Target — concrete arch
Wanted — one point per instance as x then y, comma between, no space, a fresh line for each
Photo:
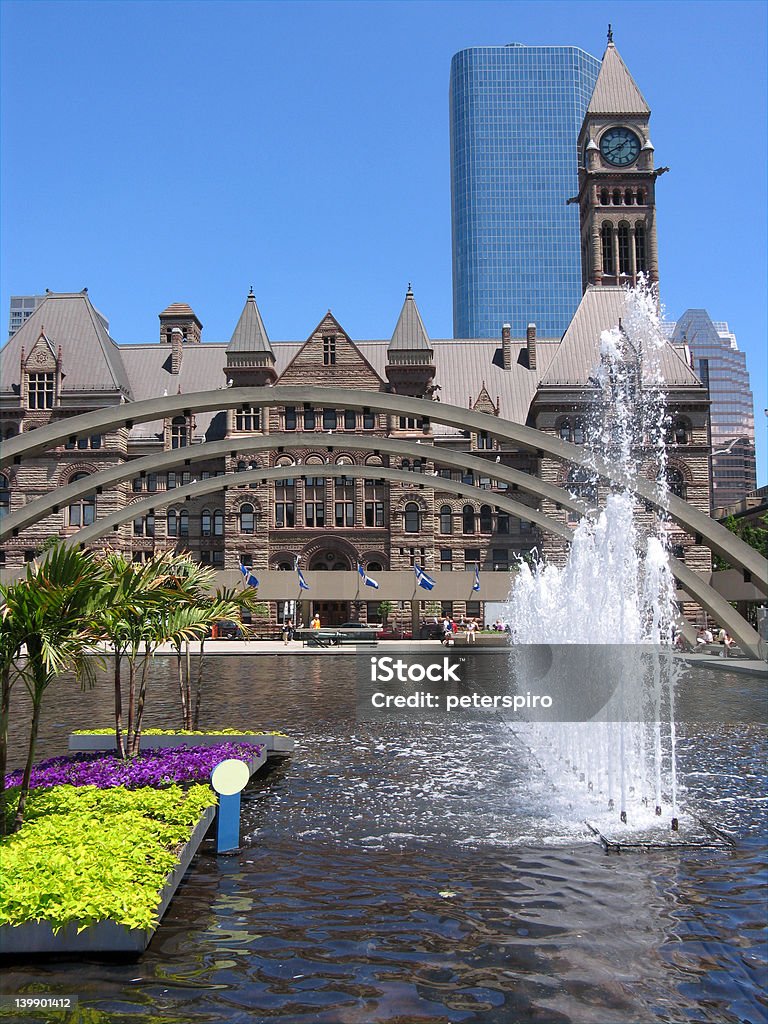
692,582
186,457
720,540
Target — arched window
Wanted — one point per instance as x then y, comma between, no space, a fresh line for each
183,523
676,482
412,518
604,197
641,197
578,431
640,255
374,567
624,264
5,495
178,432
446,519
82,512
218,523
617,197
467,519
172,523
606,241
241,467
678,432
581,484
344,501
247,519
206,523
486,519
406,465
565,430
629,197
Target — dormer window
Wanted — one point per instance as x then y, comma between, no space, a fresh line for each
329,350
179,435
41,389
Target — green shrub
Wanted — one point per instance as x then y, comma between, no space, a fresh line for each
88,855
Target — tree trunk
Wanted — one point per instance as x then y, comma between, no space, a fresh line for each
37,703
5,706
119,742
182,690
188,688
131,696
199,694
135,745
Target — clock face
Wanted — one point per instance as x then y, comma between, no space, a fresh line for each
619,146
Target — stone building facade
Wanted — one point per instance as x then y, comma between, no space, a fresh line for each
62,362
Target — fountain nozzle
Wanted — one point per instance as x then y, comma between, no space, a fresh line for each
623,817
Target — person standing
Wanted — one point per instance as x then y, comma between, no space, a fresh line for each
287,631
315,624
471,630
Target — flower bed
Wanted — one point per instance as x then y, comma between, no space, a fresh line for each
104,739
104,845
157,768
94,869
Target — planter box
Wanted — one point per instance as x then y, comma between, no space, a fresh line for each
105,936
106,741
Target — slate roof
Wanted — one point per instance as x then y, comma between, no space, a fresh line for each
615,90
250,335
410,333
600,309
92,361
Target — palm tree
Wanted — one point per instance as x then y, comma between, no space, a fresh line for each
53,615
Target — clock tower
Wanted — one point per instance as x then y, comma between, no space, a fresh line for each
617,180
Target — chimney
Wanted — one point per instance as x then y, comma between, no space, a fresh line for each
506,346
530,341
177,347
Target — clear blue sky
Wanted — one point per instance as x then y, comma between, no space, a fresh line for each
164,152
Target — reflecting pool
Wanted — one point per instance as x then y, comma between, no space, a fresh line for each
406,873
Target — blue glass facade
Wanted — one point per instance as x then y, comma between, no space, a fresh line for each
515,115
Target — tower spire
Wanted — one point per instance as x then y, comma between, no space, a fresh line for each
610,33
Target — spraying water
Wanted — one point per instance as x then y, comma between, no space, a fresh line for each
615,593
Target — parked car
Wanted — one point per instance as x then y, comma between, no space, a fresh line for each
226,629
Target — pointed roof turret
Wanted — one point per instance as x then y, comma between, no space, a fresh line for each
250,335
410,333
615,91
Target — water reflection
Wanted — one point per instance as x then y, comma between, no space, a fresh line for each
428,873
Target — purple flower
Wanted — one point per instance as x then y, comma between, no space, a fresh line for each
157,768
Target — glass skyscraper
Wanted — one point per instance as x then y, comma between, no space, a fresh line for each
515,115
721,365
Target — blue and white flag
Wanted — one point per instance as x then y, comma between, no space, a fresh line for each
303,585
366,578
248,578
425,582
476,584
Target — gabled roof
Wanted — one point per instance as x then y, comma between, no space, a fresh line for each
578,355
91,360
250,335
410,333
615,90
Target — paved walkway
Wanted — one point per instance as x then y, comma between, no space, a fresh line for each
296,647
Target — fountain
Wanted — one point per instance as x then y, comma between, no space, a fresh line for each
615,596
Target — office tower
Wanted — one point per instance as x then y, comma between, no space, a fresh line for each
22,308
719,363
515,115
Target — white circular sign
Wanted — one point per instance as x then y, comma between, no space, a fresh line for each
230,776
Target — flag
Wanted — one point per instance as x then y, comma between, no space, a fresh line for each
303,585
424,581
248,578
476,584
366,578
